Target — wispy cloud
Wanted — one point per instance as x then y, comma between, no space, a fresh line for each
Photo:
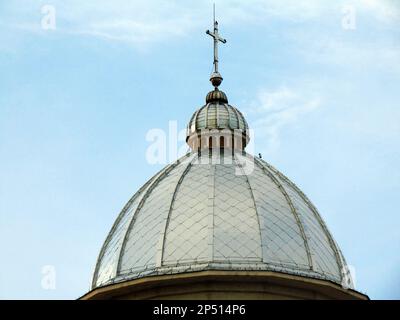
134,32
352,53
144,22
373,44
387,11
273,110
138,23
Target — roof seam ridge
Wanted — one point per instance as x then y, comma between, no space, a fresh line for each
117,221
320,221
255,206
237,117
213,209
195,117
229,115
293,209
206,115
139,207
217,112
163,236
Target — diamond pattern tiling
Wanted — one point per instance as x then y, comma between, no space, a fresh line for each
141,243
236,229
107,264
323,256
220,218
187,232
281,236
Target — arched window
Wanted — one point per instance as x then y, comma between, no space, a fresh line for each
222,142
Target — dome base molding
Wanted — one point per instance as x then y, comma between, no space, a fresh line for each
225,285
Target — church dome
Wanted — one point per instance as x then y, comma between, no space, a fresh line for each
220,221
217,119
217,115
233,212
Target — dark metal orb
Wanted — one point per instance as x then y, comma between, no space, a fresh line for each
216,79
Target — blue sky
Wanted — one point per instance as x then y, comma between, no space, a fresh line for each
77,101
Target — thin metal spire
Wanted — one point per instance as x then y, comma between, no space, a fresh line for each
215,35
214,12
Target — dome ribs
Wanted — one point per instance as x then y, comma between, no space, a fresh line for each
211,213
139,207
115,225
255,205
293,209
160,249
237,117
317,216
271,202
206,115
229,115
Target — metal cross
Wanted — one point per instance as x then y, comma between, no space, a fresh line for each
217,38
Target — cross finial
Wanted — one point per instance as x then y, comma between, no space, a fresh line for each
216,78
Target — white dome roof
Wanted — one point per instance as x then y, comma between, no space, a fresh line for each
195,215
216,115
217,119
